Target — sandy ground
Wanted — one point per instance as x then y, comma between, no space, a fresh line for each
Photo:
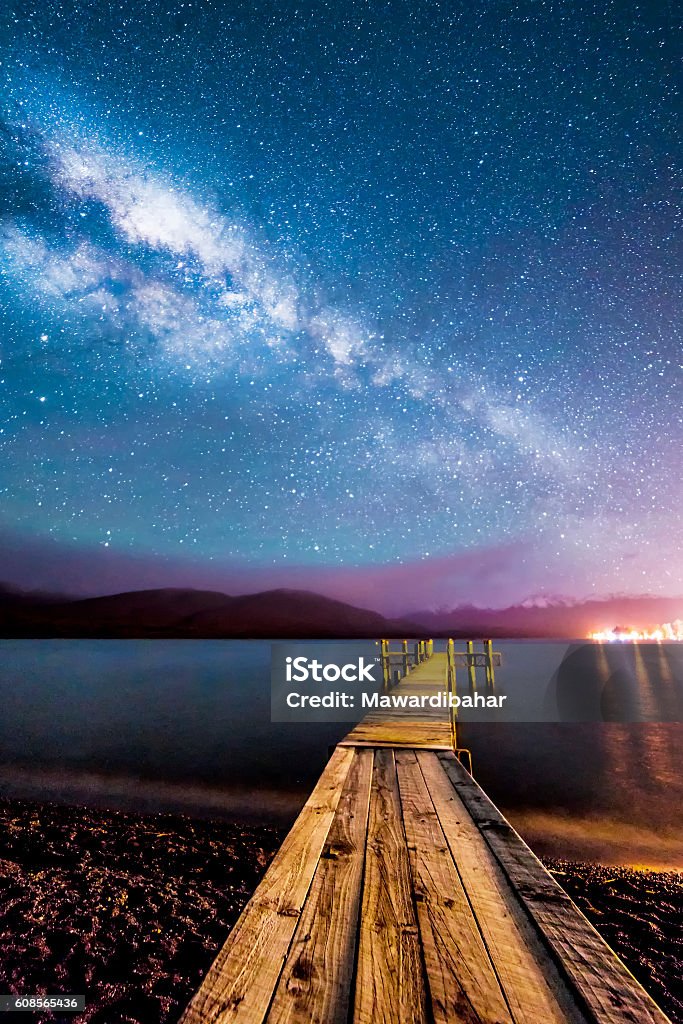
131,909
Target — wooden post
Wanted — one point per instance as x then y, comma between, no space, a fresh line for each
450,689
386,668
405,657
471,671
430,648
490,677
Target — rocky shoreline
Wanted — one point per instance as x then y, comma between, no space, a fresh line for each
640,914
131,909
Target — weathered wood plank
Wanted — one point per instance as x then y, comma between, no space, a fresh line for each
389,977
399,733
463,986
316,983
601,981
240,984
427,713
531,982
409,727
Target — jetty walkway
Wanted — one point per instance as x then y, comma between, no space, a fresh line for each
402,895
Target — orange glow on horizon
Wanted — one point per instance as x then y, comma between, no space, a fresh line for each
668,631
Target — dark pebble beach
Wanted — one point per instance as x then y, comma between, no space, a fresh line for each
128,909
132,909
640,914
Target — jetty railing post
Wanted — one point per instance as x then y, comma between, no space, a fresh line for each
450,677
471,671
386,665
488,648
430,648
405,657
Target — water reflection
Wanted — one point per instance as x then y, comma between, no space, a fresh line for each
608,791
185,725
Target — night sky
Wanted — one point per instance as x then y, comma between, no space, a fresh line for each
380,299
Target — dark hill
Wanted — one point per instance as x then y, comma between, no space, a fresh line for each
196,613
299,614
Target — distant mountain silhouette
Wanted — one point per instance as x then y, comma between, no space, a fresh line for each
295,614
553,618
192,613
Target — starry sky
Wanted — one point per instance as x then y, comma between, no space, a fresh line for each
382,299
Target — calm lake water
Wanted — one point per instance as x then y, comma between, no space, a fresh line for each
185,725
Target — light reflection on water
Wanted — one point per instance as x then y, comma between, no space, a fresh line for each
608,791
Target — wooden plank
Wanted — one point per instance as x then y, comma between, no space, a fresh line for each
533,988
463,986
398,744
433,735
316,982
240,984
429,673
425,715
429,718
389,981
601,981
409,727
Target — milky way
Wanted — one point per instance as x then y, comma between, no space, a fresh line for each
341,290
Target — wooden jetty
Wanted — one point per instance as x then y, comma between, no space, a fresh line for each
403,896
